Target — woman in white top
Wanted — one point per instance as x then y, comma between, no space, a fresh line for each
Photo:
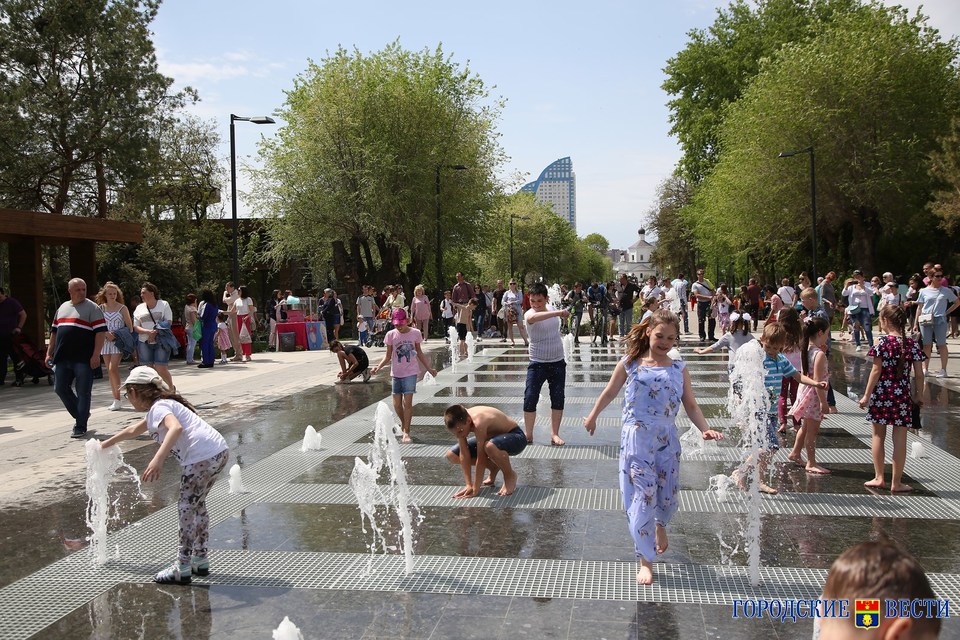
245,311
859,297
189,318
116,315
935,303
146,316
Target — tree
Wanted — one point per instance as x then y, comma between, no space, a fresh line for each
78,84
872,95
597,242
351,181
945,168
675,251
718,63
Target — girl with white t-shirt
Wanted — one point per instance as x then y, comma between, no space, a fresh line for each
245,311
201,451
405,357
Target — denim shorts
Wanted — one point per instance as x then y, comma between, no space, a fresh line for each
935,332
151,354
404,386
513,442
554,374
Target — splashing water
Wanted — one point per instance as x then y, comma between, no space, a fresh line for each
236,480
554,297
748,403
429,380
586,354
385,454
102,464
287,631
454,340
917,450
311,439
471,343
567,347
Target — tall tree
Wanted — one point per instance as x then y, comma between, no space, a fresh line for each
352,179
676,250
719,62
872,95
79,86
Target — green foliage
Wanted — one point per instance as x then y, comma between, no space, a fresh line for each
945,167
543,245
871,94
719,63
78,88
675,251
351,180
597,242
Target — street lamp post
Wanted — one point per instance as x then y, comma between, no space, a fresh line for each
513,217
813,202
455,167
233,182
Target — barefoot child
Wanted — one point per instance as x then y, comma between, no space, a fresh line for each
223,337
738,336
405,357
496,438
790,319
546,362
353,362
811,404
776,369
199,448
656,385
888,394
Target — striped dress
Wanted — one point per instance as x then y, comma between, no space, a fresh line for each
114,321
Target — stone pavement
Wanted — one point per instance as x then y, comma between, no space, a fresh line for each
552,560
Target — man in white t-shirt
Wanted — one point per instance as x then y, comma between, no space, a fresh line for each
787,293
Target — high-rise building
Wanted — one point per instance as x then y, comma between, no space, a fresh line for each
557,186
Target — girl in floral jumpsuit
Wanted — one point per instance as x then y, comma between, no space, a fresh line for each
656,386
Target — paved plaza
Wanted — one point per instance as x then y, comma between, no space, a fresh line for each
553,560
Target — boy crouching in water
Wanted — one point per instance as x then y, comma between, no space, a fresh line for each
495,438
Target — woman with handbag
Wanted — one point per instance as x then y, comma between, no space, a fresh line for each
932,312
245,319
152,316
860,308
117,317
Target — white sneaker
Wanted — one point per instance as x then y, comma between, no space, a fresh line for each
114,406
859,348
942,373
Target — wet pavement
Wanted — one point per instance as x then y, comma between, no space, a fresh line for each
552,561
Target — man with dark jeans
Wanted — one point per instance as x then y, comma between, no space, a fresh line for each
628,293
12,318
753,304
76,338
704,292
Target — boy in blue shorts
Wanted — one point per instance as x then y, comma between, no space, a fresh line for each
776,368
495,438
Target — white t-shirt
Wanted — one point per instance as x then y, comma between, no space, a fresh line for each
546,345
243,306
681,288
198,441
673,300
447,308
142,316
788,295
651,292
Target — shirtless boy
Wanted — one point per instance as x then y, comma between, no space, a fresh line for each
495,438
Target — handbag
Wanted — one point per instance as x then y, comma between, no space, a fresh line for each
853,308
197,332
925,318
245,335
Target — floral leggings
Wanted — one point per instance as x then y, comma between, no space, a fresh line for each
196,480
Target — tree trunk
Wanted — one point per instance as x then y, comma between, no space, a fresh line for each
866,230
101,185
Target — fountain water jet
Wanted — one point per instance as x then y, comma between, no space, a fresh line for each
454,341
102,464
385,454
236,480
471,344
311,440
567,347
287,631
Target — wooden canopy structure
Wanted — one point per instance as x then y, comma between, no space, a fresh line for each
26,231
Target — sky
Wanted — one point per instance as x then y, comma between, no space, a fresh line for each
580,79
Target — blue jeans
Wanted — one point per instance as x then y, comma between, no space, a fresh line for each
478,317
863,318
77,404
626,320
554,374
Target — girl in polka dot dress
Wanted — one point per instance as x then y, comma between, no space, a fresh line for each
887,397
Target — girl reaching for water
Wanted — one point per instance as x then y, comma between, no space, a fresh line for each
199,448
656,385
811,404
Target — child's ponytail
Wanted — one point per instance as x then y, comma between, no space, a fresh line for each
811,327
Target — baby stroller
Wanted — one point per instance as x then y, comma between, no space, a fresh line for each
32,361
379,333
